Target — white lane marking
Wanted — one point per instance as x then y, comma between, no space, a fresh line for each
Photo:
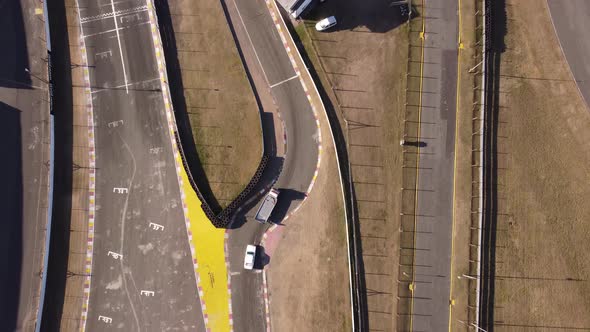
105,319
128,84
120,190
116,2
115,123
234,273
100,33
147,293
251,43
156,227
120,48
113,13
284,81
115,255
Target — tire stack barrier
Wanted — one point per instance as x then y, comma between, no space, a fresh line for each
227,213
223,219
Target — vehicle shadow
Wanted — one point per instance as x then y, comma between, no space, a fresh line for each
262,259
11,205
59,248
418,144
287,197
15,58
362,16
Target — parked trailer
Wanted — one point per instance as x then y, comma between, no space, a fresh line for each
267,206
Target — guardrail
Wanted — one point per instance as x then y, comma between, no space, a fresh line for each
492,16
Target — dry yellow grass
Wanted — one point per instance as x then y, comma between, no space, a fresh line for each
363,73
543,263
221,107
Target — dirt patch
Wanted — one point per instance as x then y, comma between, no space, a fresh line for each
220,104
542,260
362,65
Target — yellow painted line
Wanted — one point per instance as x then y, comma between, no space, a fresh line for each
412,286
208,243
38,11
457,105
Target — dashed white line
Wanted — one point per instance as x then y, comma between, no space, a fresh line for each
284,81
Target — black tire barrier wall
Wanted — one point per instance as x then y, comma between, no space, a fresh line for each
223,219
495,25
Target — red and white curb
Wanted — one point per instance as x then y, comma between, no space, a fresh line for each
225,247
266,300
171,128
279,23
284,133
272,8
91,180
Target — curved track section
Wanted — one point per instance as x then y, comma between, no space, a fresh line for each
291,122
570,20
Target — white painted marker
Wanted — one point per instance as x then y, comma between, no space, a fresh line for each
147,293
105,319
156,227
115,255
120,190
155,150
115,123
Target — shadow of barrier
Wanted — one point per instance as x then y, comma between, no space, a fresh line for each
223,218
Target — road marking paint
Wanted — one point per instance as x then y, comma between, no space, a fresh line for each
101,33
285,81
128,85
120,48
156,150
207,239
120,190
147,293
115,123
115,255
105,319
113,13
156,227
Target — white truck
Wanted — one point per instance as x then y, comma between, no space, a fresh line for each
268,204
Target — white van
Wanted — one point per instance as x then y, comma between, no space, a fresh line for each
249,257
326,23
